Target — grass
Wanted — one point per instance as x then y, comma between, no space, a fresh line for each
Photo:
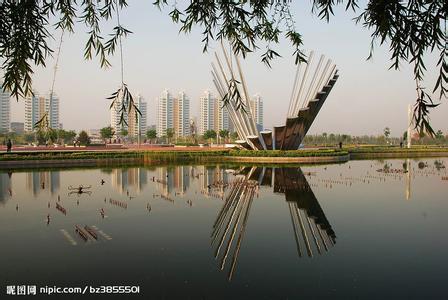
152,155
392,149
207,155
288,153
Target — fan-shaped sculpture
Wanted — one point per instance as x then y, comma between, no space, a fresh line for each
312,85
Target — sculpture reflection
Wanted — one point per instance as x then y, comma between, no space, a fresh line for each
312,231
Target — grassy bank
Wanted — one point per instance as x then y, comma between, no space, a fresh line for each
99,158
391,149
151,155
288,153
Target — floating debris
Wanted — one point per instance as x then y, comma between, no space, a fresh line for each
79,190
69,238
118,203
100,232
81,233
91,231
61,208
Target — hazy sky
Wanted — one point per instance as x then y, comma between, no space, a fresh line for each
366,98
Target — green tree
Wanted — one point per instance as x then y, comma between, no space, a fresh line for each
28,138
439,134
65,136
234,136
151,134
409,29
386,133
209,134
84,138
169,134
107,133
224,134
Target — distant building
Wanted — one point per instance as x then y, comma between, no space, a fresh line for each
212,115
133,119
37,106
17,127
256,106
5,110
165,107
181,115
136,125
173,113
115,118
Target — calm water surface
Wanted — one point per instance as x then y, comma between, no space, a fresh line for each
363,229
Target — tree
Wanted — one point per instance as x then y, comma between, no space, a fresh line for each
439,134
234,136
408,28
224,133
169,134
386,132
107,133
66,136
83,138
210,134
151,134
28,137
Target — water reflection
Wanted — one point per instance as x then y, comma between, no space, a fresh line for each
5,187
207,225
37,182
122,179
308,219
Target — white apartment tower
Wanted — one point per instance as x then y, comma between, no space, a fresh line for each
212,116
181,115
37,106
256,106
115,117
5,110
136,125
165,109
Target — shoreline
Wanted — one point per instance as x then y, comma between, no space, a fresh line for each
33,160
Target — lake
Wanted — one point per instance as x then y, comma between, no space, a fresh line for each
363,229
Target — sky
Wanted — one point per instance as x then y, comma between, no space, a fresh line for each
367,97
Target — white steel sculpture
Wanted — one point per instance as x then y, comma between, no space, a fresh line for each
312,84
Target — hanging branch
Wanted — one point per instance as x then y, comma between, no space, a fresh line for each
122,96
43,125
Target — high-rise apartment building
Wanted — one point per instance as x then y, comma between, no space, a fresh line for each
133,119
139,124
181,115
5,110
115,117
212,115
256,106
37,106
173,113
165,107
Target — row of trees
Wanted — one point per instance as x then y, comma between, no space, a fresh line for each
385,139
56,136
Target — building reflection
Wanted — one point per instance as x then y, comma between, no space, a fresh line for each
38,182
312,231
124,179
5,187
